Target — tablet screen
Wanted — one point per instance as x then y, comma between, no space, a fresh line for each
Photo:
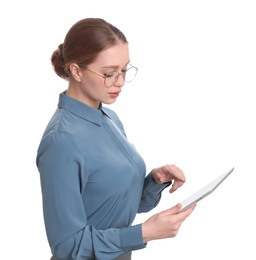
205,191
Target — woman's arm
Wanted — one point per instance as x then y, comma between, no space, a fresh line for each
158,180
165,224
63,178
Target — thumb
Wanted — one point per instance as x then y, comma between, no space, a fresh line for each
173,210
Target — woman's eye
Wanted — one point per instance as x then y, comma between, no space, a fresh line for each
109,75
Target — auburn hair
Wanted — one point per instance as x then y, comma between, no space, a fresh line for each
82,44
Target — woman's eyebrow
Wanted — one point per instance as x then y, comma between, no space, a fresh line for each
114,66
111,66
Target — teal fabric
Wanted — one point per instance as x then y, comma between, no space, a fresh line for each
93,184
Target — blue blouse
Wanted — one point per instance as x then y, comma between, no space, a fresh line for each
93,184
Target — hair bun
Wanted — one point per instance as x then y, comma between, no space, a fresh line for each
58,63
60,48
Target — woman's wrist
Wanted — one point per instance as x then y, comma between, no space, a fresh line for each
145,234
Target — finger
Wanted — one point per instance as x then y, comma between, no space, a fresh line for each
179,174
172,211
176,185
186,213
175,173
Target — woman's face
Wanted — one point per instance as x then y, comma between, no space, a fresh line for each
92,89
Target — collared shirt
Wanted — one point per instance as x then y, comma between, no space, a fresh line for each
93,184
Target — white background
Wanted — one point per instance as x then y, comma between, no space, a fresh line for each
192,104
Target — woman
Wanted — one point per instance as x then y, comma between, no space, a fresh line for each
93,180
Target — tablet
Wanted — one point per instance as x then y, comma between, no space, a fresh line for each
208,189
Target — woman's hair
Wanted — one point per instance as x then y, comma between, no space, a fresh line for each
83,43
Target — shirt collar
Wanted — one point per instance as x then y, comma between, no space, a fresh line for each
81,109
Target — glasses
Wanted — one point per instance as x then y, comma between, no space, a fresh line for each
111,78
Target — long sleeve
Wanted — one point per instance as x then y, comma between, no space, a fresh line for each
63,177
151,194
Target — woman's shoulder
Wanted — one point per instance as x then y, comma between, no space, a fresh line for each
56,123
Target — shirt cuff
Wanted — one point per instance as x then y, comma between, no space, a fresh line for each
153,187
131,238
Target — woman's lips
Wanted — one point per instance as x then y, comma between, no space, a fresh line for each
114,94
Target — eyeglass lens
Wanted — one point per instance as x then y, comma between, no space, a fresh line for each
128,76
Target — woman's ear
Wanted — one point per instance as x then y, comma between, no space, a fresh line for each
76,72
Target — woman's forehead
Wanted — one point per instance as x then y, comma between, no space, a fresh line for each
113,57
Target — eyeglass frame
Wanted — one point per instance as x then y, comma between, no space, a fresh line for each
117,77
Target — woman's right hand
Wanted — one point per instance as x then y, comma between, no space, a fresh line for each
165,224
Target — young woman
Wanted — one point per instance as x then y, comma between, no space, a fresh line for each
93,180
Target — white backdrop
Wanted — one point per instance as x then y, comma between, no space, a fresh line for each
192,104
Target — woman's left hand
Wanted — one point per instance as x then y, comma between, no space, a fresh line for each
169,173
